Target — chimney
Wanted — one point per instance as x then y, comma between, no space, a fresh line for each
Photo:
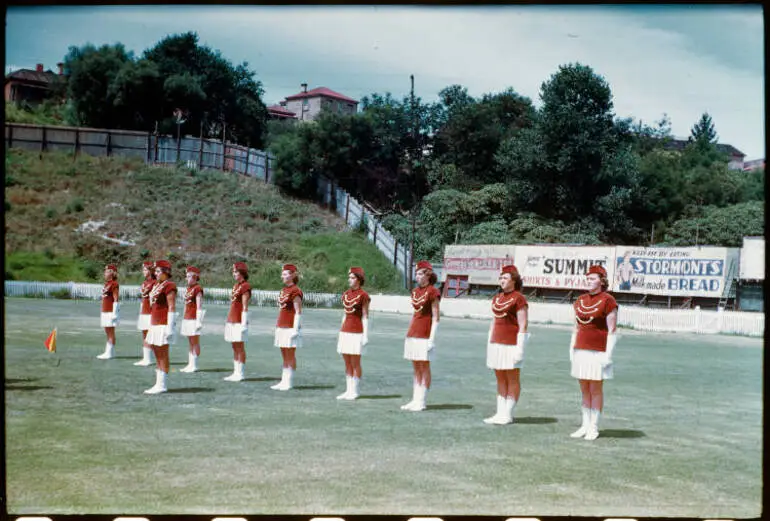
61,68
39,67
303,85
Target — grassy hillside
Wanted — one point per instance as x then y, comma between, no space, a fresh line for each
58,211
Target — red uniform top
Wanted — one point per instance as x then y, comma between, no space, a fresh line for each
422,302
505,325
144,292
236,302
286,305
190,306
159,302
591,318
108,295
354,300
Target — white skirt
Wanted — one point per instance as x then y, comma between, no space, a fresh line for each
417,349
504,356
234,332
160,335
189,328
350,343
283,338
587,365
143,324
107,319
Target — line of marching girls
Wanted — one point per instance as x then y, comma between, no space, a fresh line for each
591,345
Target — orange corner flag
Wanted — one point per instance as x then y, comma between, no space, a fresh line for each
50,343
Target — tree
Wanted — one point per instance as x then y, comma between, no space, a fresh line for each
719,226
703,132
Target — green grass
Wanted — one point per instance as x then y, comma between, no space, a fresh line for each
678,438
207,218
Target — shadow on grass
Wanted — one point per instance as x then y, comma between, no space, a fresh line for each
263,379
215,370
27,387
534,420
621,433
18,380
379,396
185,390
313,387
448,406
122,357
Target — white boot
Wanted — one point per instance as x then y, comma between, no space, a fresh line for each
593,426
408,406
348,385
160,383
146,357
286,380
422,391
192,364
506,412
241,371
586,413
236,376
109,352
353,394
500,404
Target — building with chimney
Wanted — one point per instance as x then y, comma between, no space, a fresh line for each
307,105
31,86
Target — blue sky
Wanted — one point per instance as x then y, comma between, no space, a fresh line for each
680,60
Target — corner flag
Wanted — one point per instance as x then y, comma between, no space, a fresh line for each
50,343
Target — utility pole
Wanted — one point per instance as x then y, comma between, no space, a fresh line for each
411,176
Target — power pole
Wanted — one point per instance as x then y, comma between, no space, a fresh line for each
411,176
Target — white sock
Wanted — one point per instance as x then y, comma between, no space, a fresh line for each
146,353
162,379
510,403
289,376
423,394
354,384
500,405
595,413
348,384
586,413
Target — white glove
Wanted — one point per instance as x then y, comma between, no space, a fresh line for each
244,321
295,327
199,314
612,340
432,338
365,338
522,339
572,341
116,312
171,328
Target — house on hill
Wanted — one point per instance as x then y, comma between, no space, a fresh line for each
735,156
308,104
31,86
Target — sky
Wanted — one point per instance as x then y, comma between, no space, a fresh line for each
677,60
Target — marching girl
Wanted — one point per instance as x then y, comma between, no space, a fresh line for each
506,342
162,323
354,332
420,338
237,325
192,322
287,331
143,324
591,346
110,315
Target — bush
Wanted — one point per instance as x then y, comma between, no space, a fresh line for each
75,205
63,293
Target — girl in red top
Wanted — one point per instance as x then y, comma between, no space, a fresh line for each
192,321
591,346
420,339
110,316
287,331
162,323
354,333
143,324
506,342
237,325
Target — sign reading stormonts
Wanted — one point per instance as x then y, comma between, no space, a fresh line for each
480,262
561,267
692,272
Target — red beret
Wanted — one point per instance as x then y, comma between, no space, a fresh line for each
112,267
598,269
355,270
424,265
240,266
509,269
193,269
148,264
163,264
289,267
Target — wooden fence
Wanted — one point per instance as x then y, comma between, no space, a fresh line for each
153,149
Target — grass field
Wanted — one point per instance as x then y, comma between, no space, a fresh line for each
678,438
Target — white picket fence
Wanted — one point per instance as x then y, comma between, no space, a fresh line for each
636,317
